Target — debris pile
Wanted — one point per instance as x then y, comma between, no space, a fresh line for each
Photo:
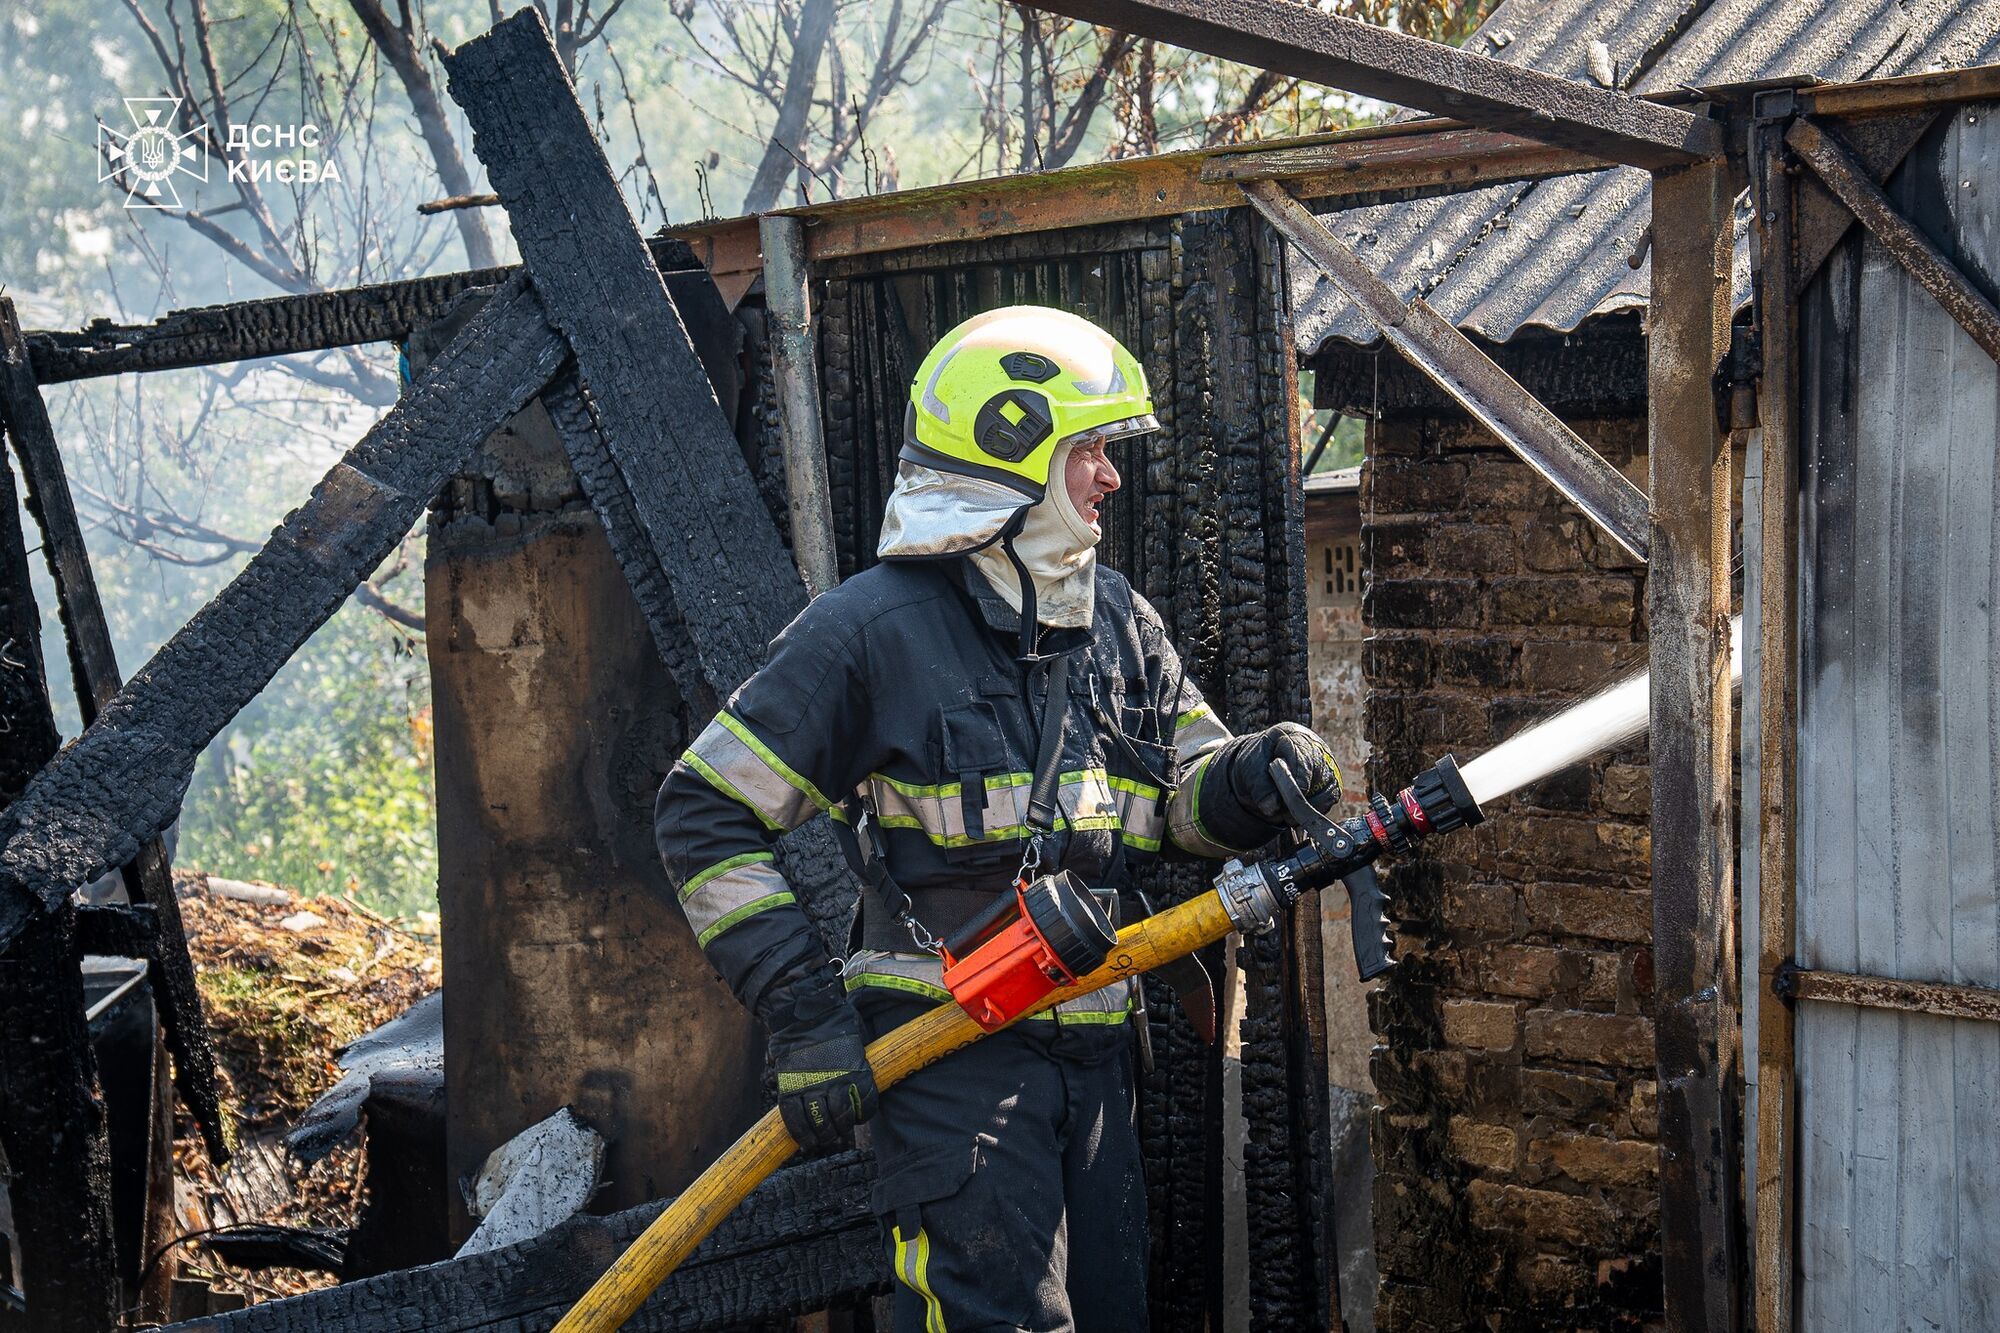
286,982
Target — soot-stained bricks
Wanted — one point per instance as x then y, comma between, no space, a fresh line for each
1514,1140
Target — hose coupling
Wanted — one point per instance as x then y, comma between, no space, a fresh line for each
1252,903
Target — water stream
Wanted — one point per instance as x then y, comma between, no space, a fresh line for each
1613,714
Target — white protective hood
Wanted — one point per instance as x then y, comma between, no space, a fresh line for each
934,513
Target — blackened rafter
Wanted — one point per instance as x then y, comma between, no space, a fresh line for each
95,804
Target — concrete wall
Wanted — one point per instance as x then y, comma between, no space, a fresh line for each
1514,1144
570,976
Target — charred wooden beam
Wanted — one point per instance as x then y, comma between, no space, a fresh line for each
1302,42
119,929
642,382
245,330
1849,178
1432,344
26,718
94,668
52,1131
1687,609
273,326
92,659
93,806
803,1241
661,464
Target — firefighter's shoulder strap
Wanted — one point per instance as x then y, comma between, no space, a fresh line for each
1042,806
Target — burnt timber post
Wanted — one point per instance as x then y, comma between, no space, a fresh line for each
555,720
94,665
662,467
1775,1188
788,296
1687,611
52,1128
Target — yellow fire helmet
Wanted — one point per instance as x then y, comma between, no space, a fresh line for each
1000,391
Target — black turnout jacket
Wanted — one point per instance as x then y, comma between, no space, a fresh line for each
901,692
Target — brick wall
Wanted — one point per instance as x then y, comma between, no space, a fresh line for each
1516,1181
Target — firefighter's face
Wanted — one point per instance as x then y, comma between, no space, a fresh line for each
1090,476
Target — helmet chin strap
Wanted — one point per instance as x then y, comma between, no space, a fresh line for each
1029,635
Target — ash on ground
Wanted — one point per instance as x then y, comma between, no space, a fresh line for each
286,981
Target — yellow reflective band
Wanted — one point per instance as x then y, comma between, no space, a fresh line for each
770,758
1194,805
1193,715
1184,816
1071,1017
913,1262
908,985
723,785
720,868
998,782
747,910
1133,787
1076,786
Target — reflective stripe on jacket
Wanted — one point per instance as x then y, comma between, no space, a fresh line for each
902,685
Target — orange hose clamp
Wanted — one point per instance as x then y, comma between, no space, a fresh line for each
1042,936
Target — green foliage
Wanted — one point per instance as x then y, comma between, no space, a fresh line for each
324,783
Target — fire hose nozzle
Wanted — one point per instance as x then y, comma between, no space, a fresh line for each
1257,895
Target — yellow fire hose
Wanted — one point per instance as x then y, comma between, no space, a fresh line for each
763,1148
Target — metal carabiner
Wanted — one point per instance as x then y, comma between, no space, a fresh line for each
1031,861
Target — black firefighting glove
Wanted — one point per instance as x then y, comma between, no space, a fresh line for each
1244,809
825,1087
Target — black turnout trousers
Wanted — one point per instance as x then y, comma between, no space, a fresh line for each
1009,1185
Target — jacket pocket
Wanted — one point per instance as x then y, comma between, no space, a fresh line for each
973,747
925,1176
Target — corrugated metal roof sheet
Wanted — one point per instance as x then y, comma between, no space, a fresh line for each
1553,253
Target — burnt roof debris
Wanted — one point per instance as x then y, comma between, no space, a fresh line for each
1552,254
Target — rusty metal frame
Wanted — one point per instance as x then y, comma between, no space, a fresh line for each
1943,998
1822,149
1435,346
1303,42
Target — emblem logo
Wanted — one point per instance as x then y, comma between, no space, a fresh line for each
147,159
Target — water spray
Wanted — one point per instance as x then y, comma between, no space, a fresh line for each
1614,714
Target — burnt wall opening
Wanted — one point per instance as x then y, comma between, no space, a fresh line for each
1516,1124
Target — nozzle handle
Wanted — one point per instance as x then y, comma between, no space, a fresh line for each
1368,916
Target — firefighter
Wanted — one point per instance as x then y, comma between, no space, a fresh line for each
916,703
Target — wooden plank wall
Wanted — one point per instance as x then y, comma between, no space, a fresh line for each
1899,752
